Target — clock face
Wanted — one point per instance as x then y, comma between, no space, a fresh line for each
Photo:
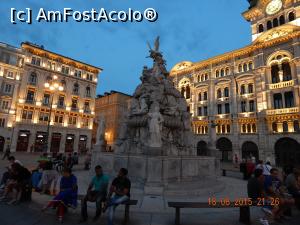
274,6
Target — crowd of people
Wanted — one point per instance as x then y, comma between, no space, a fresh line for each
18,182
276,192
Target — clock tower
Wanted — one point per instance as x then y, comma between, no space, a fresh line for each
272,18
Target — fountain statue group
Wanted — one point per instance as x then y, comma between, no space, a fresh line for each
155,140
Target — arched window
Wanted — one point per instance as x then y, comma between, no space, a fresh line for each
287,73
88,91
205,96
206,76
250,88
202,77
269,25
223,129
274,127
248,128
240,68
260,28
254,128
33,78
198,78
228,128
296,126
76,88
227,71
275,22
285,126
244,130
199,97
250,66
222,73
202,129
245,67
188,92
217,73
243,89
226,92
278,101
275,73
183,91
219,93
198,130
291,16
281,20
206,129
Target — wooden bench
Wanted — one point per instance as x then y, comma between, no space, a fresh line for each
127,207
244,210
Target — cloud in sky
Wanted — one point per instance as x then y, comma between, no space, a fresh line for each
190,30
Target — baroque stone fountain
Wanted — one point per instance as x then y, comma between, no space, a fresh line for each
155,141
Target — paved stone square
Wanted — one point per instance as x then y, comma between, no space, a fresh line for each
151,210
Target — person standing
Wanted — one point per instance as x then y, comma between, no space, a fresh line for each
96,192
118,194
6,153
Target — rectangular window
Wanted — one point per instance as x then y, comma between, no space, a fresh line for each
72,120
227,108
74,103
36,61
46,100
44,117
2,122
27,114
278,101
205,113
77,73
8,88
243,106
219,109
199,111
9,74
86,106
61,101
89,76
65,69
205,96
85,122
5,105
58,119
251,106
30,96
289,99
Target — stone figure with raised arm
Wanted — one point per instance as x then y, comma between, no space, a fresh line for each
155,128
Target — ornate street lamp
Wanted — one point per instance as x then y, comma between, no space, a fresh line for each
52,86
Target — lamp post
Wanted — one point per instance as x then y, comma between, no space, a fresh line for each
52,86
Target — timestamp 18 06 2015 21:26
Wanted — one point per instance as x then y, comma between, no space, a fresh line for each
238,202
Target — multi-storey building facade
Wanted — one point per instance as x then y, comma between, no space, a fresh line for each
250,95
11,71
113,107
53,109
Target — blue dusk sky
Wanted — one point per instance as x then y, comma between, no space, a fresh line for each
190,30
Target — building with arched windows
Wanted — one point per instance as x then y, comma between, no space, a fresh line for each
251,94
51,100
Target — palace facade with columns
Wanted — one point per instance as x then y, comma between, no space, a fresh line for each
250,95
52,102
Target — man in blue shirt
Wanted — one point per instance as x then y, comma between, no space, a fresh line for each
96,192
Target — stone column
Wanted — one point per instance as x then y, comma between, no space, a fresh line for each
62,142
76,142
15,135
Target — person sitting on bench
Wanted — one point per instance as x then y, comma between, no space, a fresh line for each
67,197
118,194
96,192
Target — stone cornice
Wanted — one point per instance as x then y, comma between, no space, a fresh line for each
233,54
